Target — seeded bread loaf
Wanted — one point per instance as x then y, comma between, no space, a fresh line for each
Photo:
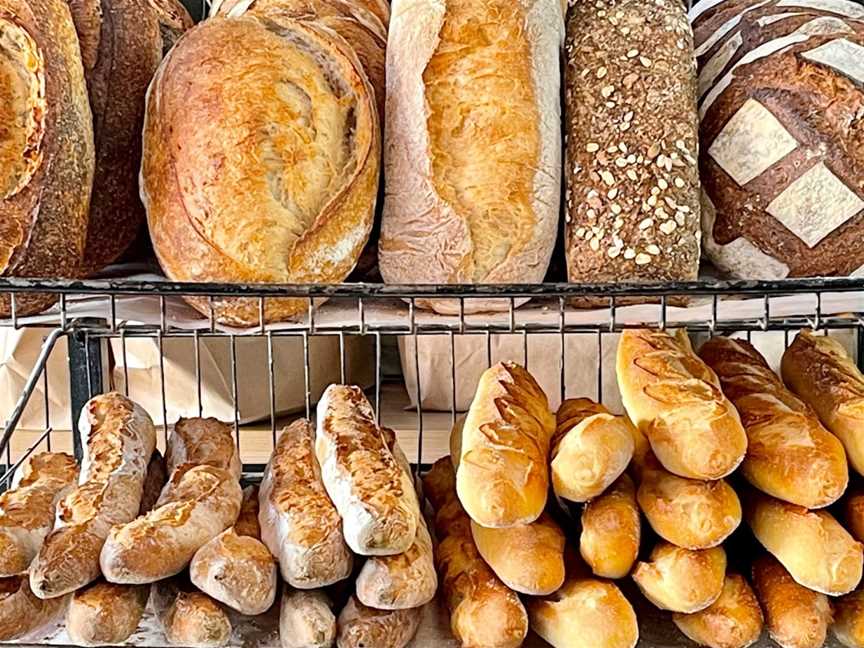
631,127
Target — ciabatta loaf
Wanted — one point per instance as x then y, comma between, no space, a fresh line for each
202,441
374,496
611,530
105,614
189,618
790,455
503,475
682,580
734,620
675,400
21,613
27,509
361,626
306,620
120,439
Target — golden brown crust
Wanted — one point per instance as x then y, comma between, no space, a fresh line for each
733,621
611,530
789,454
848,624
361,626
105,614
21,612
247,522
853,508
154,482
682,580
189,618
202,441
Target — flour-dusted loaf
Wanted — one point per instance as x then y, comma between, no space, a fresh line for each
473,144
119,440
503,475
189,618
105,614
611,530
848,626
789,455
818,369
27,508
675,400
483,611
22,614
590,449
154,482
46,153
734,620
363,627
372,493
681,580
306,620
264,169
197,441
632,140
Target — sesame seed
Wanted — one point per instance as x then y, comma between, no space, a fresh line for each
653,250
592,147
645,61
642,259
668,227
680,218
631,159
684,208
601,72
595,244
632,175
622,147
580,232
618,223
646,223
610,104
614,252
652,201
612,149
670,201
633,53
621,162
625,31
628,116
591,214
612,193
625,126
679,183
629,253
663,184
616,208
607,177
607,91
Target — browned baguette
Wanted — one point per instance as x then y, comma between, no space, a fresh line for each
189,618
105,614
202,441
682,580
361,626
734,620
853,509
848,626
611,530
789,455
22,613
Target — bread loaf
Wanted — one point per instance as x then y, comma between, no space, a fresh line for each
374,496
189,618
483,611
27,509
585,613
816,551
848,624
154,482
242,179
120,439
632,137
676,402
590,449
21,613
779,85
503,473
306,620
796,616
456,441
361,626
854,514
611,530
818,369
733,621
682,580
105,614
790,455
379,8
47,152
202,441
473,144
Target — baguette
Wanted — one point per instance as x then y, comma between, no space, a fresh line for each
796,616
21,613
120,441
818,369
590,449
154,482
483,611
854,514
848,624
189,618
734,620
306,620
503,474
364,627
676,402
609,542
105,614
816,551
682,580
456,441
790,455
374,496
27,509
202,441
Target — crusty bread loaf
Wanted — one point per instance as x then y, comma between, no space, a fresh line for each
734,620
247,522
585,613
291,109
362,627
105,614
374,496
189,618
632,136
812,546
853,513
611,530
472,202
848,626
21,613
154,482
503,475
818,369
796,616
306,620
483,611
790,455
590,449
682,580
46,153
676,402
120,439
202,441
27,509
379,8
456,441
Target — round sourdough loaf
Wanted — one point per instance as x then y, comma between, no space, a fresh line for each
781,86
261,147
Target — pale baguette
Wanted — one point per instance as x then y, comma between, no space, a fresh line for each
189,618
364,627
848,626
202,441
21,613
611,530
682,580
306,620
734,620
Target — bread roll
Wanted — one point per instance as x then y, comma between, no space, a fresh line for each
611,530
476,203
790,455
676,402
817,552
120,439
681,580
105,614
848,624
590,449
362,627
854,514
796,616
46,153
374,496
202,441
189,618
503,473
27,509
21,613
585,613
306,620
483,611
733,621
265,169
154,482
818,369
